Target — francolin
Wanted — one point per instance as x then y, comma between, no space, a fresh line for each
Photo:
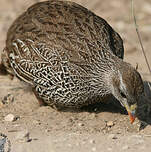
70,57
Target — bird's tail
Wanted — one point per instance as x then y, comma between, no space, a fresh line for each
5,67
3,70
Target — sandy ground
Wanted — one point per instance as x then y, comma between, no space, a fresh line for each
87,129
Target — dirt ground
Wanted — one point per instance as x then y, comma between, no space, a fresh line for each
87,129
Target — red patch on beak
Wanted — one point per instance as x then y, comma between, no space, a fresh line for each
132,117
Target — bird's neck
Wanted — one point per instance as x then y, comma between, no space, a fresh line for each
106,72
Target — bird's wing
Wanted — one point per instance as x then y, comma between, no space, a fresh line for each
57,31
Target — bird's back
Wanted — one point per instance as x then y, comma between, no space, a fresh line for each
54,31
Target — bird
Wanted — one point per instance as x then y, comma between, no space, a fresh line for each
70,57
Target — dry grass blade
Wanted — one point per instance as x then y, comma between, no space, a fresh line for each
139,38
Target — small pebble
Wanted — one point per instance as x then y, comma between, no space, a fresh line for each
69,145
95,109
112,136
110,123
10,118
92,141
94,149
23,136
80,124
109,149
125,147
8,99
36,122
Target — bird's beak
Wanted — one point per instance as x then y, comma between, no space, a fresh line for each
131,111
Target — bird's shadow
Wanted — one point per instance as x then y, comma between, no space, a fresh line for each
144,107
113,106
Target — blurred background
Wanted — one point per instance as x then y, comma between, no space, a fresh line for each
83,131
116,12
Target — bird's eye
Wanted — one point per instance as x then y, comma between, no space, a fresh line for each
122,94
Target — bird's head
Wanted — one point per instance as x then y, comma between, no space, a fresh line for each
127,87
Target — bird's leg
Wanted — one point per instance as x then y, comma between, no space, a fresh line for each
56,107
41,102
